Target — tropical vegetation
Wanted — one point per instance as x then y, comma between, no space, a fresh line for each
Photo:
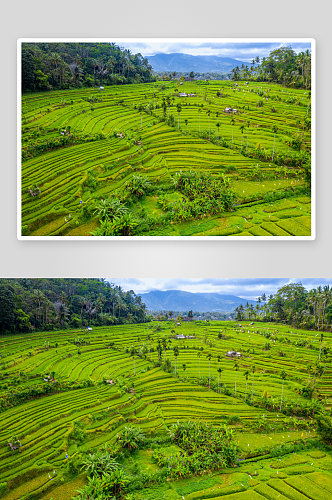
162,409
105,159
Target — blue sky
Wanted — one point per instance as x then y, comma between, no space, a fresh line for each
242,51
248,288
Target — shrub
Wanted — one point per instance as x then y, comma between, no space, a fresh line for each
324,428
131,438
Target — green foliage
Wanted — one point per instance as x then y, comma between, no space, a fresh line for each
204,194
98,463
324,427
206,448
131,438
138,186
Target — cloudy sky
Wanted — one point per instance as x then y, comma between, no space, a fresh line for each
242,51
248,288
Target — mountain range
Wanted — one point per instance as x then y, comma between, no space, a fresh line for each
178,300
199,64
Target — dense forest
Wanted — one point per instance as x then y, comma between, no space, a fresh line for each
292,305
48,66
282,66
53,303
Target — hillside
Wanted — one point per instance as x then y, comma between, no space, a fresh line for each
187,62
179,300
74,401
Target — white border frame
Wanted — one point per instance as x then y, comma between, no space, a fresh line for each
172,238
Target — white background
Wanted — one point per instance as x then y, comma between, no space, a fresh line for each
153,18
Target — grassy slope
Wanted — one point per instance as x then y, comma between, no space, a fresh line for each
163,150
44,425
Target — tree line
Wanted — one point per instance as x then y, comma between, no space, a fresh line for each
61,303
47,66
292,305
282,66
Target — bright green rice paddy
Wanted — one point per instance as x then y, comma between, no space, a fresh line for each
44,424
163,150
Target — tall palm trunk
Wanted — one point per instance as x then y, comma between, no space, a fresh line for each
282,390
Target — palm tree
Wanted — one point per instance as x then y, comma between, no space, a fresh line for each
321,341
242,127
178,107
199,365
219,372
246,374
140,110
184,366
232,123
274,130
176,353
208,113
218,125
236,367
209,356
309,371
283,375
309,95
132,353
248,125
252,385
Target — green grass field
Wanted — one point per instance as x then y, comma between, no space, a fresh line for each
81,146
52,380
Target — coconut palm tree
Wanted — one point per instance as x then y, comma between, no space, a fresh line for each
232,123
218,125
274,130
236,367
132,353
246,375
242,127
283,375
140,110
253,369
209,356
248,125
178,107
176,353
199,365
208,113
321,341
219,372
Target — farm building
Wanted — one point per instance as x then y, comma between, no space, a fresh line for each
233,354
230,110
181,336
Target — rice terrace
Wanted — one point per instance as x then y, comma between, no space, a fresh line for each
167,409
111,148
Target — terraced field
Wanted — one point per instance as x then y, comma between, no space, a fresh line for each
66,393
82,146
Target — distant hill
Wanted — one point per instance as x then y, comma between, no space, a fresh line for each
178,300
200,64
